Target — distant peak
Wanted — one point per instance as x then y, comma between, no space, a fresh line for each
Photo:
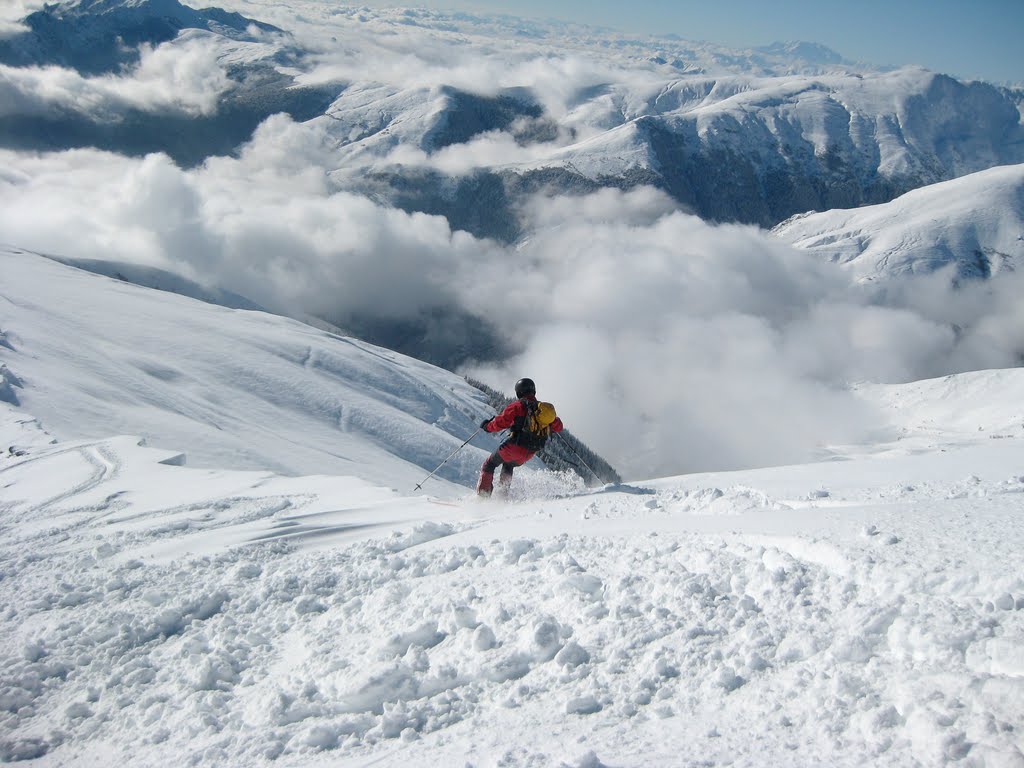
813,52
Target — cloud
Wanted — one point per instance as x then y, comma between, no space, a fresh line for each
265,225
12,12
674,345
183,76
287,240
407,58
668,344
493,149
664,340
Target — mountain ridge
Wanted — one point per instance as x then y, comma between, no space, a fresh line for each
756,155
756,147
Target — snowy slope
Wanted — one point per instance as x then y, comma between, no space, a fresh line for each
868,610
965,406
975,223
93,356
856,612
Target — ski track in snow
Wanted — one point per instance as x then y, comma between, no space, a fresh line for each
758,618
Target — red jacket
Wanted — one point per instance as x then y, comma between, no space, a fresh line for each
516,410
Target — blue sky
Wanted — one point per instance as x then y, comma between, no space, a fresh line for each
967,38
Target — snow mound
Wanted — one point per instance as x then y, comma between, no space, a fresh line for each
969,406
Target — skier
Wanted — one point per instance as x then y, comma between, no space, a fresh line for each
522,442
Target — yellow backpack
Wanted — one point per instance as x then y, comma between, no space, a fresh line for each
544,415
536,426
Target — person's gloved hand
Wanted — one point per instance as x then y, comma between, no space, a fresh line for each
484,423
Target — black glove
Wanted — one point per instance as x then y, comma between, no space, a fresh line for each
484,424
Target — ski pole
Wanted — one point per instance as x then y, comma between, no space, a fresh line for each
420,484
585,465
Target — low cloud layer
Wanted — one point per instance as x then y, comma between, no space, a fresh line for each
183,76
685,346
12,12
668,344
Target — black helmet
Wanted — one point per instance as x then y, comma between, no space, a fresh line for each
525,387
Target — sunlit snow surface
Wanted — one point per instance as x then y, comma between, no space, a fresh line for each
975,222
228,388
868,610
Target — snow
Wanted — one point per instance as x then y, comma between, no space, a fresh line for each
976,219
239,389
907,124
184,602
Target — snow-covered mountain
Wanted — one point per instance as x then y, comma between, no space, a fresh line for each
214,551
96,36
730,148
466,116
140,76
974,224
506,134
864,610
